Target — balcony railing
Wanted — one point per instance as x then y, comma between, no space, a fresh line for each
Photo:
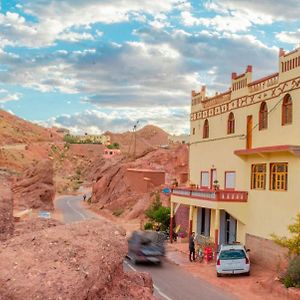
212,195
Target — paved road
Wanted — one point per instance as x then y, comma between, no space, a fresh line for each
72,210
174,283
171,282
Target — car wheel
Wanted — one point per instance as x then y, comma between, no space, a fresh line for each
219,274
247,273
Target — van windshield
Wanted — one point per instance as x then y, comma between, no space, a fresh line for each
232,254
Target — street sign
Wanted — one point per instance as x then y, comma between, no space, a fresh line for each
44,214
166,190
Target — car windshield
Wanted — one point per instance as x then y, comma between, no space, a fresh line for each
232,254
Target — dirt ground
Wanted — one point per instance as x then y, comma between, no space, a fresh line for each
260,285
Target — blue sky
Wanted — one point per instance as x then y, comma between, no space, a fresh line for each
95,65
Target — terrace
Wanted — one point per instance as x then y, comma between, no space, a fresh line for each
211,195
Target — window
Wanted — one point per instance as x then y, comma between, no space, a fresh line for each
287,110
230,180
193,131
258,176
204,180
230,124
206,129
263,116
278,176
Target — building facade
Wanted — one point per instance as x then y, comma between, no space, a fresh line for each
245,158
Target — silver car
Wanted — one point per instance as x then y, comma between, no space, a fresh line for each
233,259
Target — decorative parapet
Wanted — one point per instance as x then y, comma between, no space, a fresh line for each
263,83
218,99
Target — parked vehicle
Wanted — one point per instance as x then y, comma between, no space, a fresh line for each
233,259
146,246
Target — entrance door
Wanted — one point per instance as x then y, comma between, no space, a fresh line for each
228,226
249,132
203,221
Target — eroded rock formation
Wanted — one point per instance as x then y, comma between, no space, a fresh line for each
35,189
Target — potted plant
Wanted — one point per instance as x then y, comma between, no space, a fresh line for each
216,185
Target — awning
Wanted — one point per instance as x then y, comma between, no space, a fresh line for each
262,151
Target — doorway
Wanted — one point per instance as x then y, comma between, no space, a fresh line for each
228,228
203,221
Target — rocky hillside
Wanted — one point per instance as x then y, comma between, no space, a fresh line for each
148,138
14,130
112,193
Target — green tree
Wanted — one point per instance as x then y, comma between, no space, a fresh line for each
158,213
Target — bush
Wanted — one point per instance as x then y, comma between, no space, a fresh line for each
148,226
292,276
117,212
292,242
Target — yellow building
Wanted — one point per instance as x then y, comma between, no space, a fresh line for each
245,159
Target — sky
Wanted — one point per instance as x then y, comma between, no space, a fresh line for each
93,65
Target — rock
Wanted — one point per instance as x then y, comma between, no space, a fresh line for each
35,189
6,211
70,261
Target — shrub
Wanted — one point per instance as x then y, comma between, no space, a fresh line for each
292,276
293,242
117,212
148,226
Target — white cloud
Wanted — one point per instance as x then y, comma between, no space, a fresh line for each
9,97
121,120
292,37
74,36
262,11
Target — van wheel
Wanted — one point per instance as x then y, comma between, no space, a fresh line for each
247,273
219,275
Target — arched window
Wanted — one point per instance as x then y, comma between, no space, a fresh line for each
230,123
287,110
263,116
206,129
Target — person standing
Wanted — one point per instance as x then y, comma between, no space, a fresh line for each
192,246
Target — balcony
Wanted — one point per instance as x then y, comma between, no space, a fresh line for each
211,195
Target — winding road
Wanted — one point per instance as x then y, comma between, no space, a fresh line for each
171,282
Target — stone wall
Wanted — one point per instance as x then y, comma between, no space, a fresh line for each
266,253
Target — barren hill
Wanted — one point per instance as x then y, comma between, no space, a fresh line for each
14,130
148,138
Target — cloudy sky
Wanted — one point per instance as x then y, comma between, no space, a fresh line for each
96,65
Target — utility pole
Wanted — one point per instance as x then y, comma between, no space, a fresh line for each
134,135
133,139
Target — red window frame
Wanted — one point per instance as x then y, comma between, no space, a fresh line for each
231,123
287,110
263,116
204,186
225,181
